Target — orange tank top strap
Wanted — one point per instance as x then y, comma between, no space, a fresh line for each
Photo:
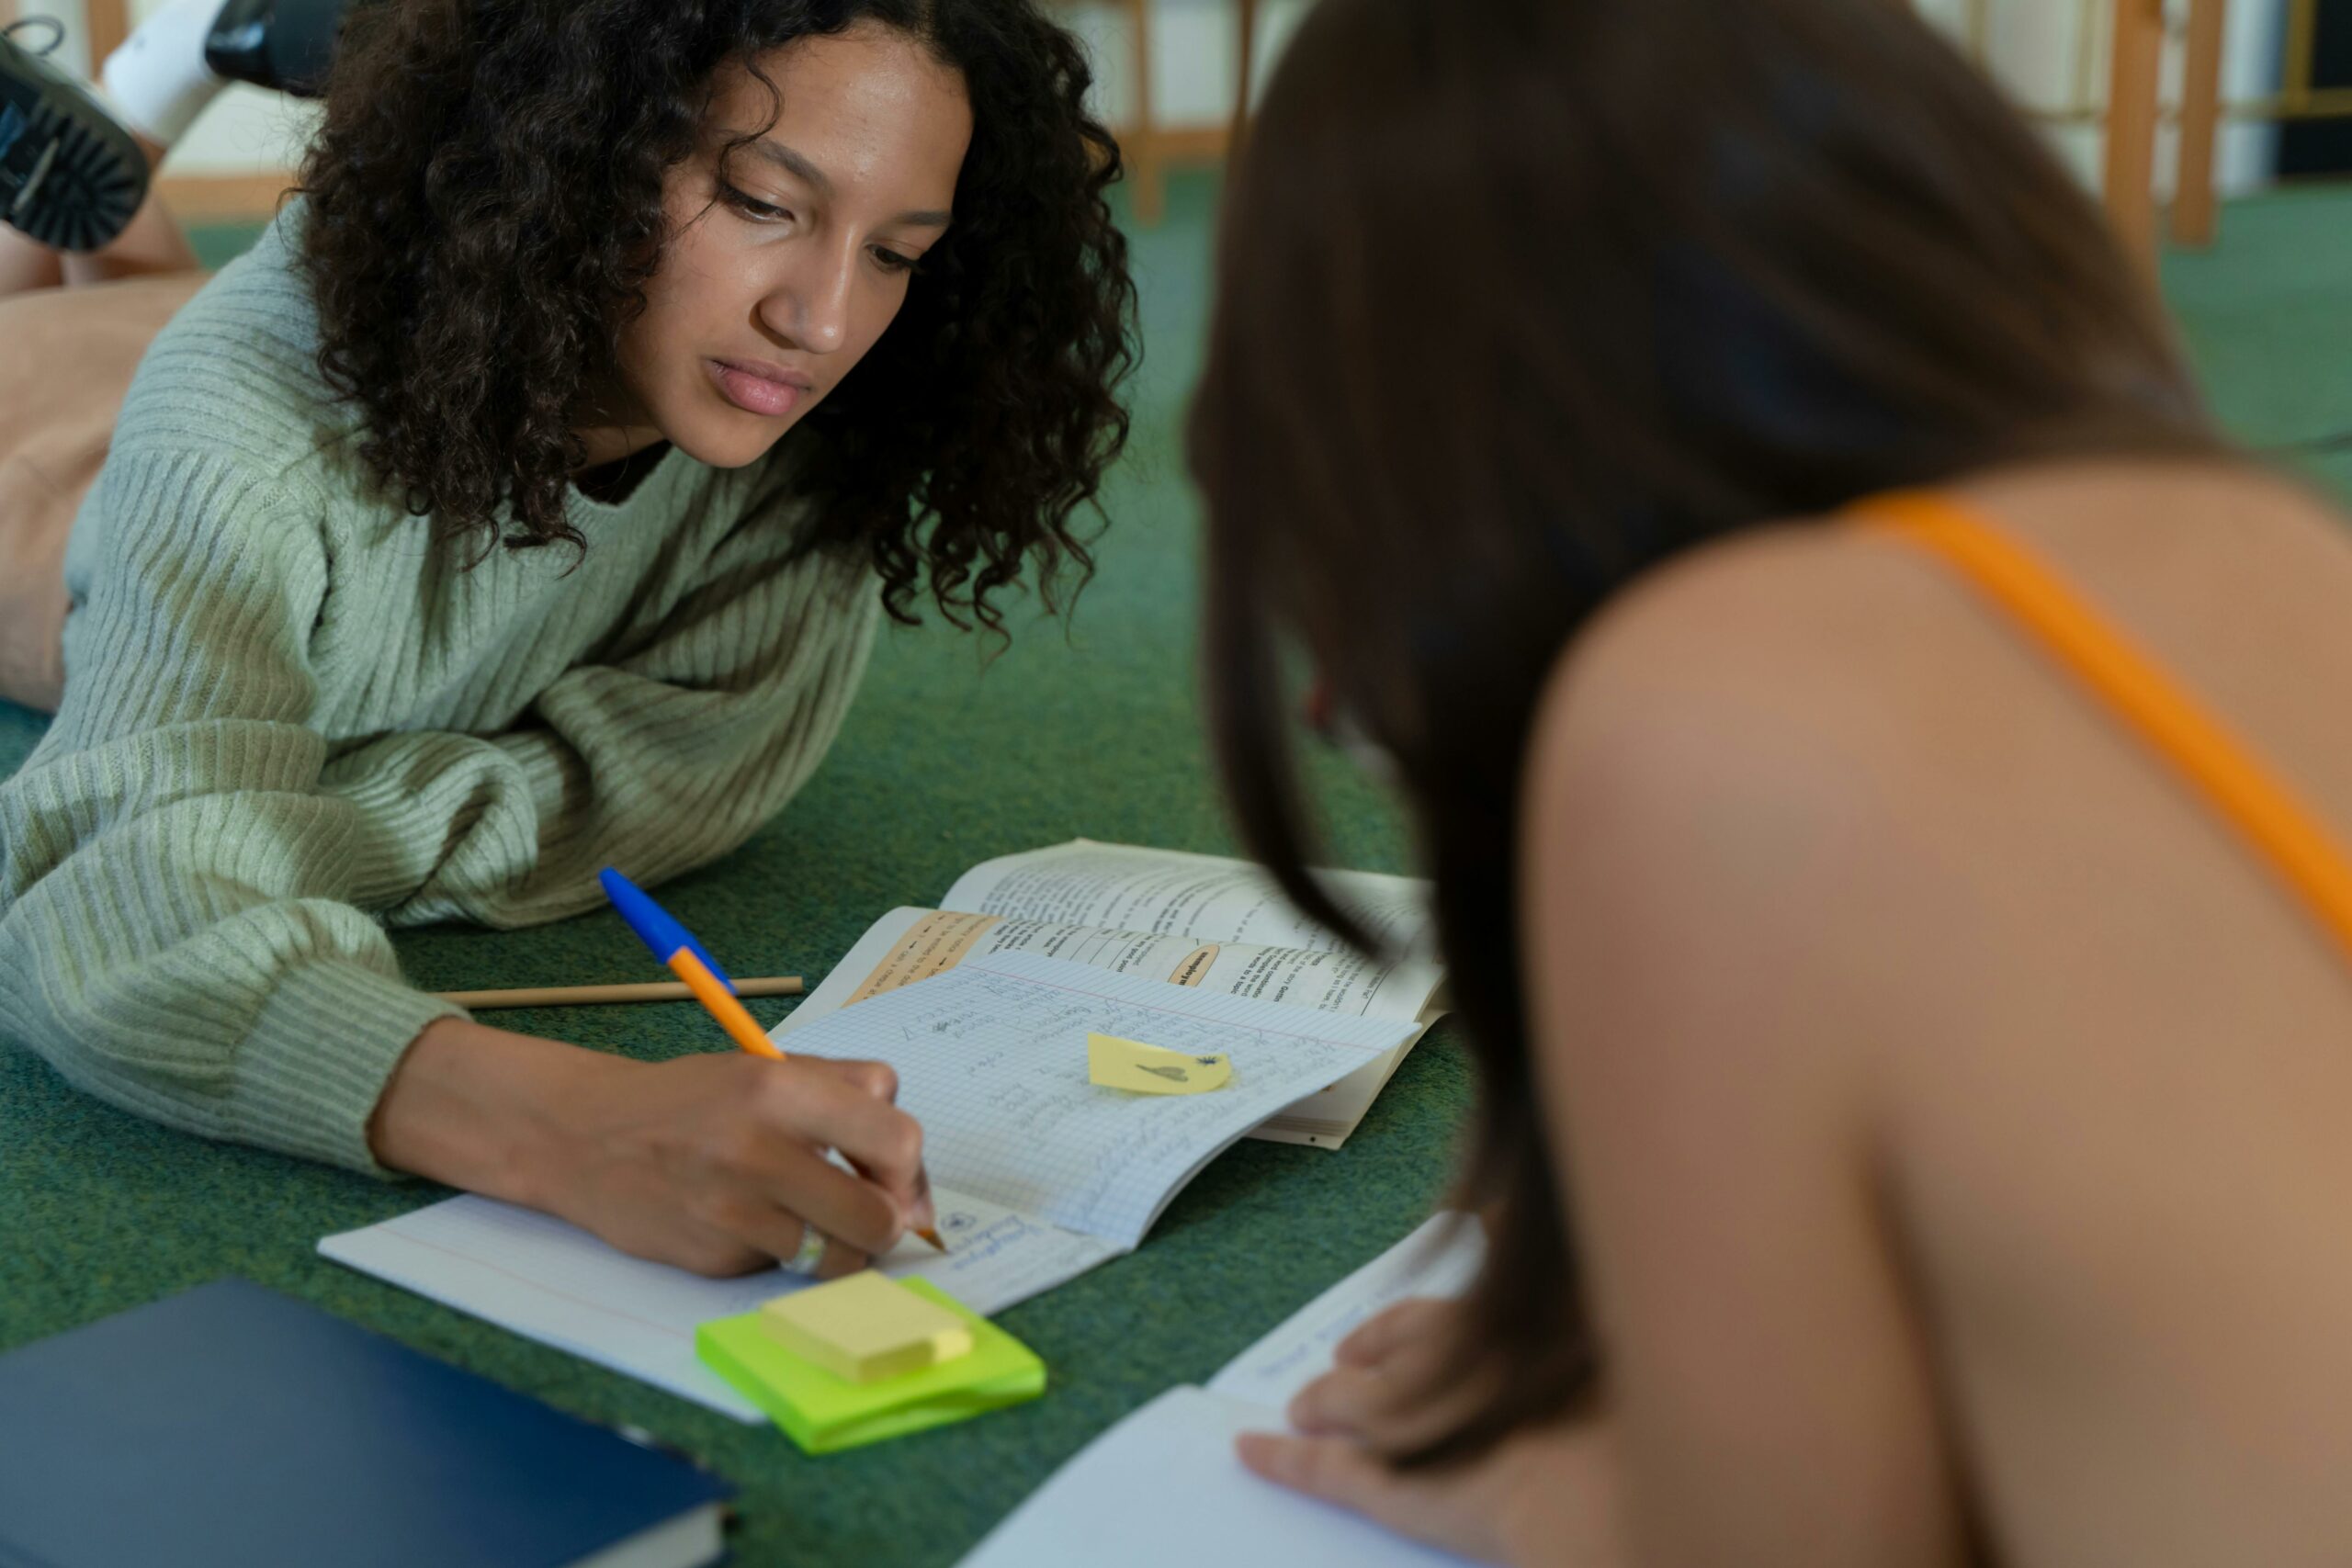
2232,781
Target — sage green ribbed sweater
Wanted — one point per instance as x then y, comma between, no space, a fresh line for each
290,717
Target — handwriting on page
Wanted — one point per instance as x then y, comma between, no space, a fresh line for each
984,1057
1001,1259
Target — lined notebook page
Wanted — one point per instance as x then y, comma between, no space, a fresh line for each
991,1060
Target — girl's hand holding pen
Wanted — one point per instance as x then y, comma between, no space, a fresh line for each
720,1162
676,946
717,1163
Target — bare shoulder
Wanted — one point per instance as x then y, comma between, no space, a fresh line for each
1800,756
1715,812
1750,680
1775,645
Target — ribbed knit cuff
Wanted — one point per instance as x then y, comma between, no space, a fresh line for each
421,800
306,1078
559,786
383,863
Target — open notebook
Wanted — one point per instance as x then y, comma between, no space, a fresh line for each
1039,1173
1200,921
1164,1483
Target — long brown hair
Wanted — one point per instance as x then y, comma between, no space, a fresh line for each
1519,298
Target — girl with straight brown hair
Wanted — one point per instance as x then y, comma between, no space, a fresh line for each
1881,759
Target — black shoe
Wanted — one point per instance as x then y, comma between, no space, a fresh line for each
70,176
282,44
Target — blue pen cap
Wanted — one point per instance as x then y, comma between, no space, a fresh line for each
654,925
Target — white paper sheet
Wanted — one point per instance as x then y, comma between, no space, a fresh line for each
538,1277
1162,1489
1440,1258
1164,1483
1168,892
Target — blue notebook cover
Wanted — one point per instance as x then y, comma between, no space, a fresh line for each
235,1425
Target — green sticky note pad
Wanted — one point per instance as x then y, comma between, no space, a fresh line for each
825,1414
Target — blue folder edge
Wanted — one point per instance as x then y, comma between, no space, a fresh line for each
231,1424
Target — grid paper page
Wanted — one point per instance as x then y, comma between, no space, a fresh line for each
991,1060
538,1277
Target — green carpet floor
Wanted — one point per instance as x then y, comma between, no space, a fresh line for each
2267,316
951,757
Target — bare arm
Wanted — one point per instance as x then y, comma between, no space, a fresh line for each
1704,914
710,1162
1705,1000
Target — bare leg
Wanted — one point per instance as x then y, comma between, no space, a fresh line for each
35,516
55,428
52,441
26,264
152,243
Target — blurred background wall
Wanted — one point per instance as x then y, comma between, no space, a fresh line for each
2051,54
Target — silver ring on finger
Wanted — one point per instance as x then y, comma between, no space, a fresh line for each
810,1255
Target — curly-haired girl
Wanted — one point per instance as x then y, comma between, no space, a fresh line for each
514,508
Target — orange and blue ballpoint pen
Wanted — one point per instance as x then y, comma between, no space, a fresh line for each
676,947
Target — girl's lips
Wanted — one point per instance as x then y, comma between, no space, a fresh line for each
760,390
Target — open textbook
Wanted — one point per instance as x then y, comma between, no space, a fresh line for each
1164,1483
1039,1173
1196,920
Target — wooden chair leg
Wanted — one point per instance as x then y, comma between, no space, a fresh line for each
2131,109
1146,175
1247,58
106,23
2194,214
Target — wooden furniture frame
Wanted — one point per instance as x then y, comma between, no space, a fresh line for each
1148,148
2135,74
2134,110
106,23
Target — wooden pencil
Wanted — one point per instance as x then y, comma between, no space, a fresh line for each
596,995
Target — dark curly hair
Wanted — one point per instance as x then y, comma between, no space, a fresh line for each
483,208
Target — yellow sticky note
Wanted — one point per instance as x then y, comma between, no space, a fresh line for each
1148,1069
864,1327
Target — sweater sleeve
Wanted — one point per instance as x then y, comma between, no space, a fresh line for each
178,933
661,757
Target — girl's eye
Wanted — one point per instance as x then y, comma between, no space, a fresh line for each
758,211
891,261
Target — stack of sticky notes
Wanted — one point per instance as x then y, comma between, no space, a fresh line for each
867,1358
867,1327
